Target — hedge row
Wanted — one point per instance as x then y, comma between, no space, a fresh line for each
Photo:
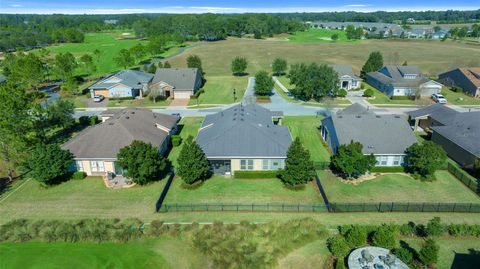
463,176
388,169
403,97
255,174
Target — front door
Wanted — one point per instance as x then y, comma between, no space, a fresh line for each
345,85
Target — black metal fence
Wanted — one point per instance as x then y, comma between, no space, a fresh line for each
320,208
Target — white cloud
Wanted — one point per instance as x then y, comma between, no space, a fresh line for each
15,5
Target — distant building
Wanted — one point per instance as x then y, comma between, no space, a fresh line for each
347,79
403,81
467,78
244,138
110,21
372,28
387,137
126,83
179,83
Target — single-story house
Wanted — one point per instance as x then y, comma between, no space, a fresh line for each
403,81
467,78
126,83
179,83
387,137
347,79
440,34
95,149
244,138
457,132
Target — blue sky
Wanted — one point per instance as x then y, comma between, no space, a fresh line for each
222,6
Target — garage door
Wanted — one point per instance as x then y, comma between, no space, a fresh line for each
101,92
182,94
427,91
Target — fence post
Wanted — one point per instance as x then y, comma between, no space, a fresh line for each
237,207
408,206
380,207
454,206
283,207
252,207
391,209
470,209
438,207
423,207
298,207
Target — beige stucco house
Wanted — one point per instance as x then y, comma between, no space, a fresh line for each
177,83
95,149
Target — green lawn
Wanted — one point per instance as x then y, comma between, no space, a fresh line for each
78,199
242,191
398,188
219,90
458,98
109,46
138,102
319,35
146,253
454,253
188,126
307,129
381,98
310,256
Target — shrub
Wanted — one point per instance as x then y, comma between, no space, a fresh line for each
93,120
384,237
342,93
387,169
362,85
368,92
407,229
340,264
434,227
255,174
338,246
176,140
464,230
356,236
428,254
84,120
404,255
122,98
79,175
456,89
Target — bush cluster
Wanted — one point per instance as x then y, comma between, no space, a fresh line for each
88,230
342,93
87,120
255,174
79,175
368,92
388,169
403,97
176,140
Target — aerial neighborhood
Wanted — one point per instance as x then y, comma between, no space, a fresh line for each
236,139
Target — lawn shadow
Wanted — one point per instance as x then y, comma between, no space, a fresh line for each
466,260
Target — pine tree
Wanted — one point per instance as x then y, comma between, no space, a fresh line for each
299,168
192,163
374,63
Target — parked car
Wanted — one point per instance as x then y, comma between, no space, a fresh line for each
439,98
98,98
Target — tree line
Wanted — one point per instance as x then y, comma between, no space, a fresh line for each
448,16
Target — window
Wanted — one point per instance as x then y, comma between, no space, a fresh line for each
397,160
79,165
272,164
246,164
265,164
382,160
97,166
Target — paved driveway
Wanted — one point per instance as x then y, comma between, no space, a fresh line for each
91,103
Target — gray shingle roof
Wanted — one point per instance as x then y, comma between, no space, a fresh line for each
344,70
131,78
438,112
395,76
104,140
243,131
463,130
179,78
379,134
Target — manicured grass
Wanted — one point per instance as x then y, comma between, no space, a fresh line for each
431,56
309,256
454,253
242,191
458,98
188,126
147,253
398,188
307,129
319,35
219,90
109,46
138,102
78,199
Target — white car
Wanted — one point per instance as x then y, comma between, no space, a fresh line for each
439,98
98,98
